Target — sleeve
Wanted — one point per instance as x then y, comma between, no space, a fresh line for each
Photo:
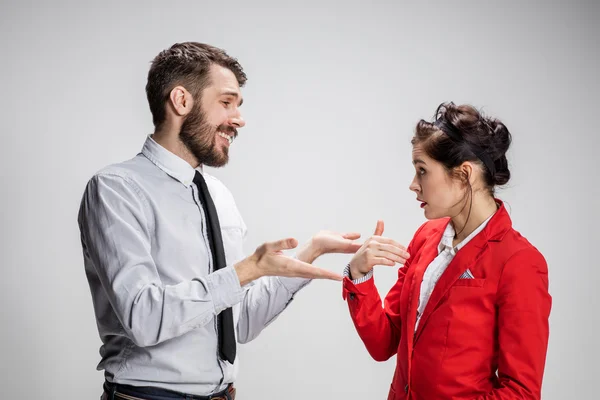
368,275
116,239
378,327
265,299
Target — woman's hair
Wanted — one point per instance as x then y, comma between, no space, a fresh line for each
461,133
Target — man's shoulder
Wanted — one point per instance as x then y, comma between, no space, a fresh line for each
131,170
112,183
127,176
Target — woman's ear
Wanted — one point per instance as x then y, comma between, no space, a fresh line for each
467,170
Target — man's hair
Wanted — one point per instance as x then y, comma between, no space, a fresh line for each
186,64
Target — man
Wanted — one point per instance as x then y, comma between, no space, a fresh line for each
162,243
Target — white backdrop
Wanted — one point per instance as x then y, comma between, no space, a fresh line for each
334,92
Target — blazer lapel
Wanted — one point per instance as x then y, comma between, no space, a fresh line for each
427,255
495,230
463,260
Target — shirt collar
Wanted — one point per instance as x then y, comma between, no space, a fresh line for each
171,164
448,237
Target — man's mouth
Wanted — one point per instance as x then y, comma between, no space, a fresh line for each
224,135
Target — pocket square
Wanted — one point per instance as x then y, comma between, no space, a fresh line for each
467,275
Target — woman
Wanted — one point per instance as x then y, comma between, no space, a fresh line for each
468,316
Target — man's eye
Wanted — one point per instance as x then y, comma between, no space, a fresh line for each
226,103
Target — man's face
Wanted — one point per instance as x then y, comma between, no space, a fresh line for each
210,128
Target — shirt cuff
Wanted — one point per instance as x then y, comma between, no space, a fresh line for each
365,278
225,289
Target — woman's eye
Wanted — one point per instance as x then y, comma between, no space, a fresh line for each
422,171
226,103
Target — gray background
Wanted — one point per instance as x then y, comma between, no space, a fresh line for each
334,92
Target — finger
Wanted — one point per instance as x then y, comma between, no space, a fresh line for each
351,235
385,240
390,256
383,261
394,250
284,244
379,228
299,269
352,247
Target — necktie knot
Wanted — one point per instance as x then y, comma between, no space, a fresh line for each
199,179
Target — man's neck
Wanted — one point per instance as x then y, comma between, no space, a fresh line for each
169,139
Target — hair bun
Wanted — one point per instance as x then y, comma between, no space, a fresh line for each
499,142
468,135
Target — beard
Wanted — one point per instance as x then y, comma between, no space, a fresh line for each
200,138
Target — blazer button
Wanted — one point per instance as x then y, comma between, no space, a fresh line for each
406,389
352,296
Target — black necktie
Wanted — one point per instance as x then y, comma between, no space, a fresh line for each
225,318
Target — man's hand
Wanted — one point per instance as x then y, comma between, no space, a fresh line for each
326,242
268,260
377,250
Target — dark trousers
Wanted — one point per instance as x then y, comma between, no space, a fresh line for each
113,391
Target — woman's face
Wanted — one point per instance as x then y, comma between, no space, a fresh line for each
439,194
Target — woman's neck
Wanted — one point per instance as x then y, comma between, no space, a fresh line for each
482,207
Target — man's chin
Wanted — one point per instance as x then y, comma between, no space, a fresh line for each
218,162
216,159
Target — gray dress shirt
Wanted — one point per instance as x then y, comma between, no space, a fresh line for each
148,263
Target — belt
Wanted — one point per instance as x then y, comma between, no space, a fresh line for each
127,392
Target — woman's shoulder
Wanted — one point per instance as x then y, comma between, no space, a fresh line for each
514,244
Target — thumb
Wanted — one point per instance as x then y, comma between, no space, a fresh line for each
379,228
351,236
284,244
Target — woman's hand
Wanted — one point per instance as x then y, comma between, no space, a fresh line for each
326,242
377,250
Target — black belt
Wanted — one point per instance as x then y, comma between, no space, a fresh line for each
118,391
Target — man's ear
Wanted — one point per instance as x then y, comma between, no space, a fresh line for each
181,101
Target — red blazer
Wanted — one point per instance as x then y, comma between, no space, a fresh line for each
482,338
